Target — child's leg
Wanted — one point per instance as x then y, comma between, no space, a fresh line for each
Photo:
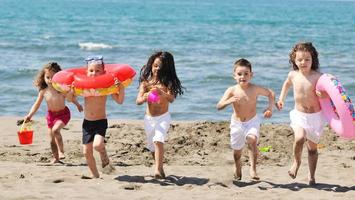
312,161
89,155
159,156
237,154
253,154
58,137
53,145
297,150
99,146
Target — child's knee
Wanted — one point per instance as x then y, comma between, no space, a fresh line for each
99,147
237,154
252,140
312,152
299,140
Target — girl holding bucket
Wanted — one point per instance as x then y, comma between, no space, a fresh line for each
58,114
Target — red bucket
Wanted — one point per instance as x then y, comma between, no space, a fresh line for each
25,137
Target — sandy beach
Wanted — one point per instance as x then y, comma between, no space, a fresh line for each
198,165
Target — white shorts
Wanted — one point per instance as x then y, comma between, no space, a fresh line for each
240,130
312,123
156,129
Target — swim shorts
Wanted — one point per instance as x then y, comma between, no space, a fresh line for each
312,123
91,128
53,117
240,130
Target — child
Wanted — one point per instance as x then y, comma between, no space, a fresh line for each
95,121
58,115
158,75
306,118
245,123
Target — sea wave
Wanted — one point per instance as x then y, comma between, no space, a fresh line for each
94,46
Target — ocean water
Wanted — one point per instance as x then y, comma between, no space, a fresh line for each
205,37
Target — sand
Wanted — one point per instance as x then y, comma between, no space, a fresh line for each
198,164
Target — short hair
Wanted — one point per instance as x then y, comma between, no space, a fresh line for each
242,62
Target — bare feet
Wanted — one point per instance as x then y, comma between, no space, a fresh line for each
56,161
159,175
108,169
293,171
254,175
61,155
312,182
237,177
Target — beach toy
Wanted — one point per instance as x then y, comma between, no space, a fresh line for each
265,149
25,135
153,97
101,85
338,109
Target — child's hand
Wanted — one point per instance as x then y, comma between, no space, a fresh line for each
79,107
27,119
145,96
267,113
117,83
279,105
233,99
322,94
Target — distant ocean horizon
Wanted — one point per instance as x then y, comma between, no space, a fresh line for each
205,37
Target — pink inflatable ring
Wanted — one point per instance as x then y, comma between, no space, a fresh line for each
338,110
101,85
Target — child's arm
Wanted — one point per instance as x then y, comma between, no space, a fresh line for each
271,95
78,105
226,99
35,106
70,96
285,87
121,94
168,95
142,95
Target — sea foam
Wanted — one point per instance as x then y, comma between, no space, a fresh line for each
94,46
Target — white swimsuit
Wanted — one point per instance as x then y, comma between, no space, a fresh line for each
156,129
240,130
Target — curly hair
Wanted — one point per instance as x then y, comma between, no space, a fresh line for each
39,82
166,74
308,47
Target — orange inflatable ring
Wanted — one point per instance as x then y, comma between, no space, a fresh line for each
101,85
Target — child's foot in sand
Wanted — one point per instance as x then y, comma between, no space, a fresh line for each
61,155
86,177
312,182
254,176
108,169
159,175
237,177
293,171
55,161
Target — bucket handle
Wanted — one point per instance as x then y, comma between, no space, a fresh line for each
23,125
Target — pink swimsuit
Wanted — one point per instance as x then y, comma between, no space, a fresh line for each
53,117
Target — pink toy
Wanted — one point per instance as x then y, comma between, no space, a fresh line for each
153,97
338,110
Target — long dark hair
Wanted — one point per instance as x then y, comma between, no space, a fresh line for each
166,74
308,47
